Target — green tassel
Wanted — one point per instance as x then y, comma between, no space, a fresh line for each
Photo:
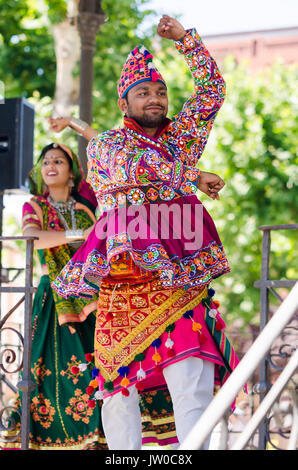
109,386
170,328
140,357
206,302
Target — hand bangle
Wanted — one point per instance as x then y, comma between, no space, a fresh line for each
77,234
78,125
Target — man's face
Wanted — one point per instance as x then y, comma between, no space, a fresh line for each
146,103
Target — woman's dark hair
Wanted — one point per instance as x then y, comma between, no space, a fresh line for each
55,146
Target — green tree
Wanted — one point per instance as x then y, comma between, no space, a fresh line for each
27,60
253,147
121,32
253,144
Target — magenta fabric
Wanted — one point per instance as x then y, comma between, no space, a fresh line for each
186,344
178,264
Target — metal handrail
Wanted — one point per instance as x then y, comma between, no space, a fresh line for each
26,384
266,285
226,395
267,403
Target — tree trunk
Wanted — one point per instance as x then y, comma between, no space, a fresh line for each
67,49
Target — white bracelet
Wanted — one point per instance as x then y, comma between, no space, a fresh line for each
74,234
78,124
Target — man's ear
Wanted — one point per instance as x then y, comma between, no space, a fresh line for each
122,103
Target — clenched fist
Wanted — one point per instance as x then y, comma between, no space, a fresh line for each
170,28
210,184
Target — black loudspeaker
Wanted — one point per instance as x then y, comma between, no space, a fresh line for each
16,143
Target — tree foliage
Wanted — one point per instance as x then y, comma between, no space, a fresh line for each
120,33
253,144
27,58
254,148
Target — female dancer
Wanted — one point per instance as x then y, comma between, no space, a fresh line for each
62,416
60,214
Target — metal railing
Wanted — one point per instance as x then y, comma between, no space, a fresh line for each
257,355
226,395
25,385
266,286
222,401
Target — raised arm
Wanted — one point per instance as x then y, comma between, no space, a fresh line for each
190,129
80,127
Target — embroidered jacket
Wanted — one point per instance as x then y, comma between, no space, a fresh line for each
126,166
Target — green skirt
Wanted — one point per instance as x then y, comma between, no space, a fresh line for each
59,415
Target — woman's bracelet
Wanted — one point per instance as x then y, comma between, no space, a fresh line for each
78,125
74,234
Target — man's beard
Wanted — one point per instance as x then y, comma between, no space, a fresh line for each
148,121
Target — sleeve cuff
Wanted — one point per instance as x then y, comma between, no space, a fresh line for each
190,41
190,181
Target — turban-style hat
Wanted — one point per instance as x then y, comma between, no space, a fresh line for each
138,68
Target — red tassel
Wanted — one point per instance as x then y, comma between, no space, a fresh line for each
89,357
125,392
139,386
202,338
171,353
91,403
89,390
157,369
220,324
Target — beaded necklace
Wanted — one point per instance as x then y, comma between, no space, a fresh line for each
62,209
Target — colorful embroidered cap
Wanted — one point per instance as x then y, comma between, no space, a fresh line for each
138,68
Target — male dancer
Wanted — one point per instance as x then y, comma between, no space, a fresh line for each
160,302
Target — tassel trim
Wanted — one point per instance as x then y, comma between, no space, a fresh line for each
123,371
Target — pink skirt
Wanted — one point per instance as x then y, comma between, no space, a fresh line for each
180,243
185,344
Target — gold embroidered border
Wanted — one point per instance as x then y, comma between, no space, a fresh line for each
157,421
156,334
67,446
160,437
138,329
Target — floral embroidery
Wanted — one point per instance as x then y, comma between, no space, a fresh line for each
188,188
42,411
152,194
68,372
158,169
78,407
108,202
166,193
136,196
39,371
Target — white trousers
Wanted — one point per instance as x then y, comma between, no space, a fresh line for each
190,383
